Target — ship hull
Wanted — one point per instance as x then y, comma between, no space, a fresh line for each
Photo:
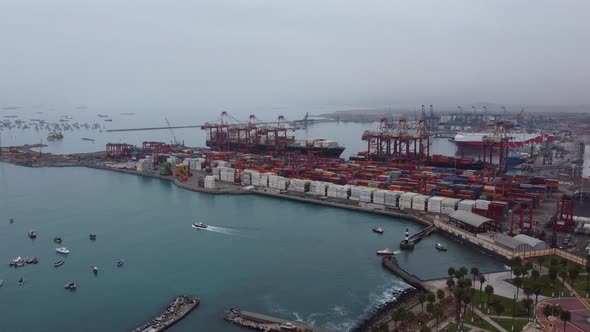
323,152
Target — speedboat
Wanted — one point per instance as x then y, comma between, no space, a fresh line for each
95,269
58,263
62,250
57,239
378,230
120,262
70,285
32,234
199,225
288,326
34,260
92,236
440,247
385,252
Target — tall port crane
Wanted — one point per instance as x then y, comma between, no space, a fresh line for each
175,142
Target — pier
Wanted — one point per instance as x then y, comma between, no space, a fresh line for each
175,311
390,263
422,234
261,322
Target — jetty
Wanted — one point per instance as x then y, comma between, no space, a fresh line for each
422,234
174,312
409,241
390,263
267,323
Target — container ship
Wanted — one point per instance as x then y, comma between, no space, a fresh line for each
318,146
475,140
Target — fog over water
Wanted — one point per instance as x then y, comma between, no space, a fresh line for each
203,56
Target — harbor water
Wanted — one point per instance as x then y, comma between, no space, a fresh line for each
272,256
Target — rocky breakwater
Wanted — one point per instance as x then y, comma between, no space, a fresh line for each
175,311
233,315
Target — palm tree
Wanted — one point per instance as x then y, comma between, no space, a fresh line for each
421,299
474,273
431,298
440,294
451,271
498,308
565,316
528,266
459,294
437,312
451,283
535,274
462,272
554,261
516,261
553,272
537,291
517,282
563,262
573,273
489,290
527,303
482,279
540,261
397,315
409,317
588,272
547,310
518,271
430,308
425,328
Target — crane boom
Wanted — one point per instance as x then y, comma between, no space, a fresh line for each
172,132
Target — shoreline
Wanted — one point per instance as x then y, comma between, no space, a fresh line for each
379,314
406,296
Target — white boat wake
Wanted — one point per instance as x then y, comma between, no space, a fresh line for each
221,230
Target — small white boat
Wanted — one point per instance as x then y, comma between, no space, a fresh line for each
440,247
378,230
385,252
95,269
71,285
199,225
62,250
288,326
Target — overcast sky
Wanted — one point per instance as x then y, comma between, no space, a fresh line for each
275,53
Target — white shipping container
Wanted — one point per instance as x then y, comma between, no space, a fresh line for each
435,204
419,202
466,205
405,201
449,205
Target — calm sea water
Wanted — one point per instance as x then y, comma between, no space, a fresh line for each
293,260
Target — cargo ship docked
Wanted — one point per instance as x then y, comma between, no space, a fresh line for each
318,147
518,139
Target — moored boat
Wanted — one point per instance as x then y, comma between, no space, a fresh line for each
378,230
58,263
440,247
32,234
92,236
288,326
95,269
120,262
385,252
57,239
199,225
21,281
71,285
62,250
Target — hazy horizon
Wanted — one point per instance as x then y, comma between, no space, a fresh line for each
293,54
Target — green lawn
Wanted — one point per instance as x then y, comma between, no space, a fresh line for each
478,322
519,310
453,328
580,285
519,324
548,286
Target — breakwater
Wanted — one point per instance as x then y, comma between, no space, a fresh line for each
380,313
390,263
175,311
